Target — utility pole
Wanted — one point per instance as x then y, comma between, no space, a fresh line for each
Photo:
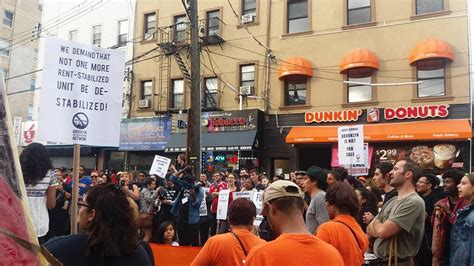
193,151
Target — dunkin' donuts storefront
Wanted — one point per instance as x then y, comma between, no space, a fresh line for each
436,137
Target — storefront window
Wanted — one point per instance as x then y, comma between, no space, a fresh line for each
295,90
432,75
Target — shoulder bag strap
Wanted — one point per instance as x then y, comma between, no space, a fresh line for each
352,231
240,242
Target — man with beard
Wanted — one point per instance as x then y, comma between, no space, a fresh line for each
399,226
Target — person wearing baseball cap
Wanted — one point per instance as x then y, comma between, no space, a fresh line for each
315,185
295,244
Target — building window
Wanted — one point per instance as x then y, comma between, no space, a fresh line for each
212,22
432,75
8,19
249,7
96,35
180,26
210,93
122,33
5,73
295,90
247,75
358,11
359,92
146,90
73,35
4,47
32,84
177,95
429,6
297,16
150,26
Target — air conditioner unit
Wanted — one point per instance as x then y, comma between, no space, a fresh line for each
246,90
144,103
247,18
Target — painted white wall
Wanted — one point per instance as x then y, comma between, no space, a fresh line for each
89,13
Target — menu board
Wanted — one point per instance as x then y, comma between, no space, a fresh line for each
430,155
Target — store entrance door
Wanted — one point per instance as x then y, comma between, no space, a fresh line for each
314,155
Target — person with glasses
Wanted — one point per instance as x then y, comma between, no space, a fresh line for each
95,178
108,220
295,244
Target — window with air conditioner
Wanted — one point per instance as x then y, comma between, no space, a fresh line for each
249,7
247,78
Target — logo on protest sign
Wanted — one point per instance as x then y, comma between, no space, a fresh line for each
29,134
82,89
80,120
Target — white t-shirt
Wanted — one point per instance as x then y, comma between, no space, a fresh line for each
37,201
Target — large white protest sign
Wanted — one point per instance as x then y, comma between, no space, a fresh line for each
351,144
222,204
82,93
160,166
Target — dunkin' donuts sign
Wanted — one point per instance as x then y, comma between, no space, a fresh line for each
426,111
373,114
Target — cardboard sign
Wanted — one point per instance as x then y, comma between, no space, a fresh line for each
17,233
243,194
354,169
222,204
81,91
351,144
203,207
258,201
160,166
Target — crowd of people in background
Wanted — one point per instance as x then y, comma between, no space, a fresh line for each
401,214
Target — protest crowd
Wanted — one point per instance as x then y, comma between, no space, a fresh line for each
398,215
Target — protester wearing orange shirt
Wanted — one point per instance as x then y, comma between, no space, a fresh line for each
295,245
343,232
232,248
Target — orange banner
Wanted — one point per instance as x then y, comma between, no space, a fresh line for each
423,130
166,255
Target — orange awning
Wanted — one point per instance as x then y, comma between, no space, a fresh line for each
295,66
423,130
358,58
431,49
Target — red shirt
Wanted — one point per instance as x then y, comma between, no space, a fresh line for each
213,188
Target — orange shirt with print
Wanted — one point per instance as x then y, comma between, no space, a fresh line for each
295,249
225,249
352,246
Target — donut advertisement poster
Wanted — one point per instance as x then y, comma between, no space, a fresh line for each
18,242
428,155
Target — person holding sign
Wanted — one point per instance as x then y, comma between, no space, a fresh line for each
216,186
295,245
186,207
232,248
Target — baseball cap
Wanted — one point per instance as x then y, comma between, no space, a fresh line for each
319,174
280,189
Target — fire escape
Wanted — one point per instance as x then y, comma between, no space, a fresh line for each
174,41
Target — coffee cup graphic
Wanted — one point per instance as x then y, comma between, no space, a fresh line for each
444,154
